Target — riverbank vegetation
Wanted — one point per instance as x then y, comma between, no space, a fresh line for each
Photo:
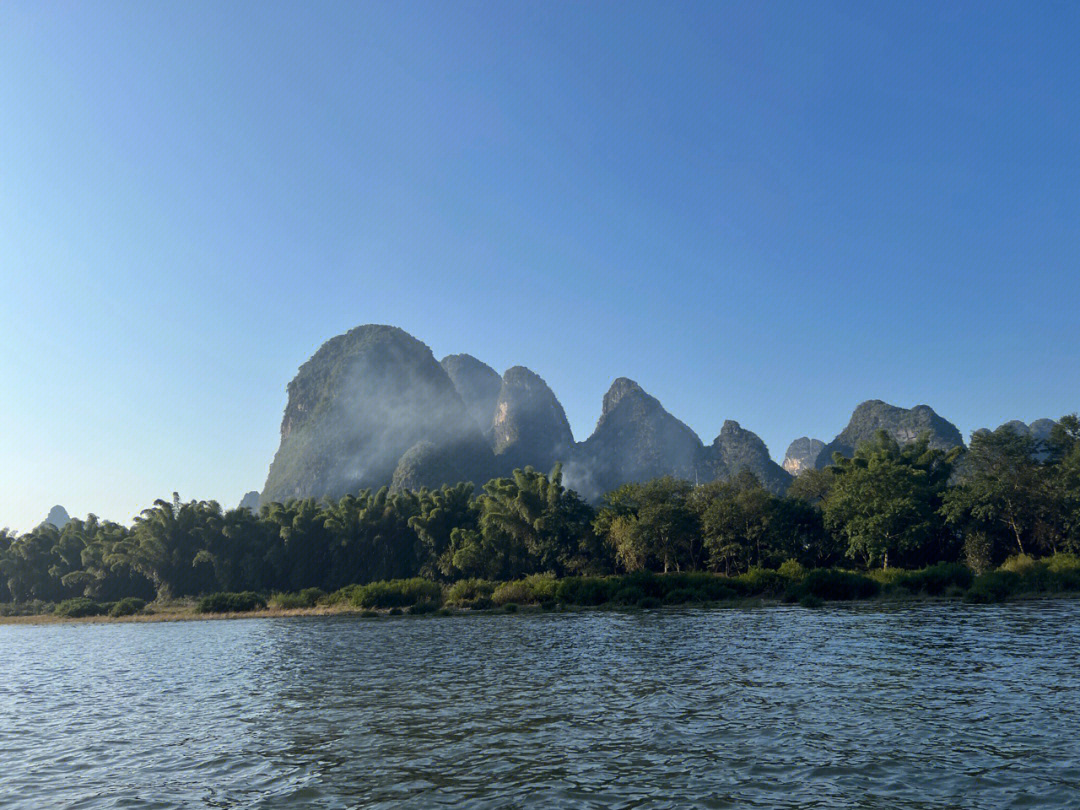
1001,518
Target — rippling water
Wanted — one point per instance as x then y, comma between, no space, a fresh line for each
932,706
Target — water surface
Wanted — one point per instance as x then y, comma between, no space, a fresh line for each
928,706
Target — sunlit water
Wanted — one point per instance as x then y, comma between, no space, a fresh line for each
933,706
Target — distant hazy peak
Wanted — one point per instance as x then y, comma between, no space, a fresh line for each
58,517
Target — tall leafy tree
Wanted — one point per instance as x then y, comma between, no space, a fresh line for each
884,500
1003,492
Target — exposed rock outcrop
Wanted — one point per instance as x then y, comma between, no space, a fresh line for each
635,440
903,424
529,427
737,449
802,454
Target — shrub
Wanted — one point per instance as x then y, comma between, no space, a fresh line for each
1019,564
1062,563
649,603
369,614
421,608
1035,574
1064,571
888,577
936,579
307,598
342,595
680,596
481,603
465,591
78,608
397,593
510,607
994,586
646,582
791,569
395,611
528,591
34,607
708,587
628,595
582,591
128,606
761,581
811,601
243,602
837,585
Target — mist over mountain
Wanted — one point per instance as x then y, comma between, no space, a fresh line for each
373,408
903,424
477,383
356,407
529,427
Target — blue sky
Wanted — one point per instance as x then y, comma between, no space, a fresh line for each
766,212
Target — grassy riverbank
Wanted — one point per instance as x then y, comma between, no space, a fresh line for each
1019,577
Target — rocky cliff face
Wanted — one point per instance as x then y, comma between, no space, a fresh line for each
529,427
802,454
477,383
372,408
250,501
356,407
737,449
903,424
635,440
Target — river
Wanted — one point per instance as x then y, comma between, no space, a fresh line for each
932,705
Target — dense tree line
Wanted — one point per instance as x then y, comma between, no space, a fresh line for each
887,506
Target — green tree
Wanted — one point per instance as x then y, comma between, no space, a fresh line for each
440,513
529,523
735,518
652,526
884,500
1003,491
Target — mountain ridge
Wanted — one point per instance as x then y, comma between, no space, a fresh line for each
372,407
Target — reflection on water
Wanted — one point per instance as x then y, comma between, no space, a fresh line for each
931,706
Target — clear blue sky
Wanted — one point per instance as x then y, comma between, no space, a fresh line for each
766,212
